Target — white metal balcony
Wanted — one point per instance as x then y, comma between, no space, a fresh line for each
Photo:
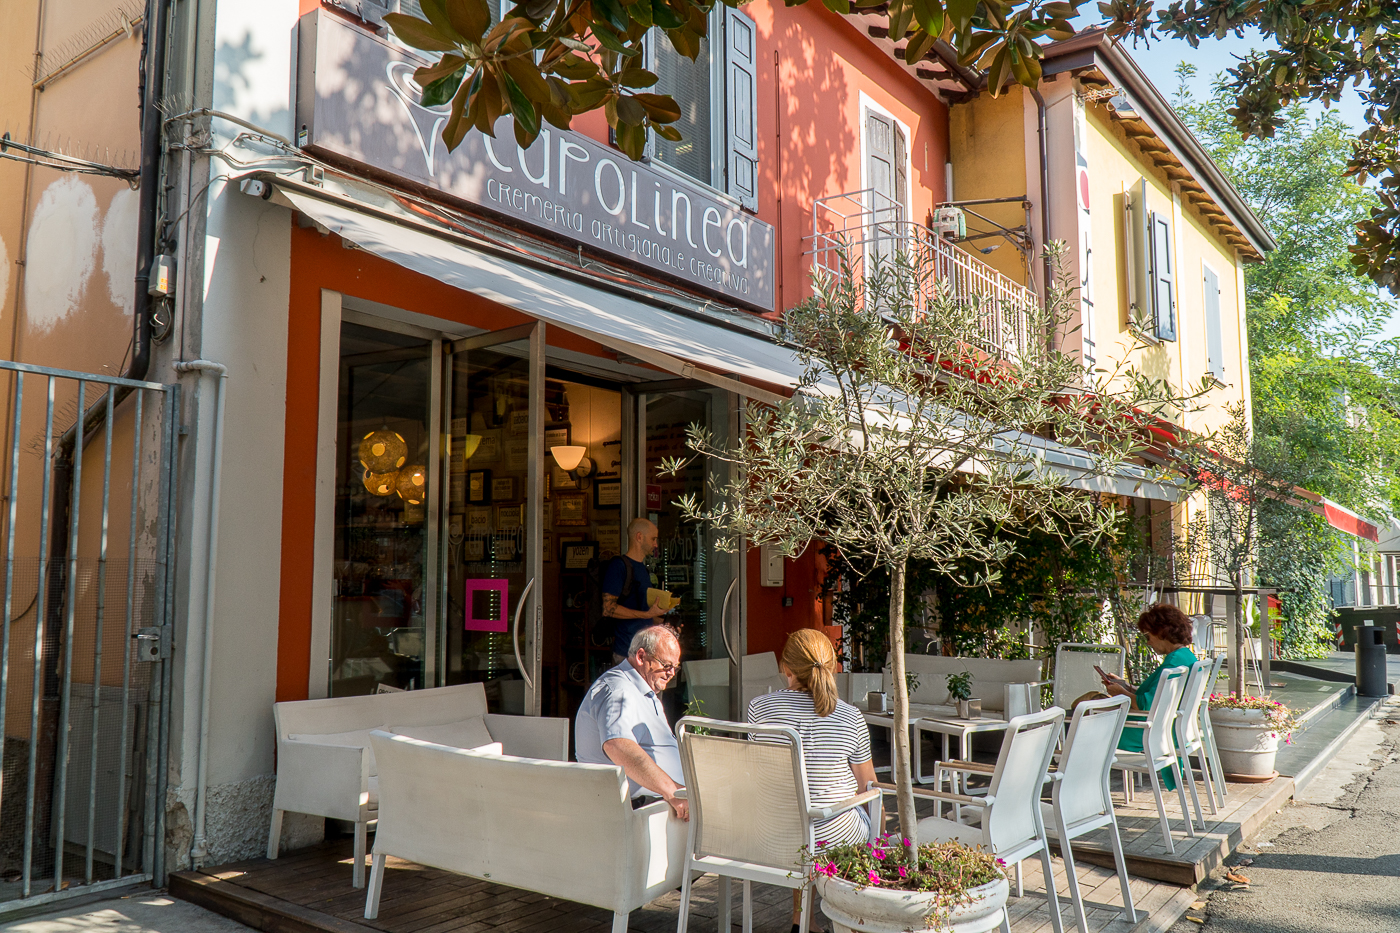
867,224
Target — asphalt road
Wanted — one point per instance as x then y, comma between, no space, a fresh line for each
1328,863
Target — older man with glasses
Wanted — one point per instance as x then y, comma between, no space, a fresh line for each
621,721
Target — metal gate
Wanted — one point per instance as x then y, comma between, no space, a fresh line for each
88,493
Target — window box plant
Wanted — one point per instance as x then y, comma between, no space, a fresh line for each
1247,733
871,889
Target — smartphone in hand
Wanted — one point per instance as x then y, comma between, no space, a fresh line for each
1106,676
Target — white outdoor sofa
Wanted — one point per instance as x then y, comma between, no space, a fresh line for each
990,676
560,829
326,767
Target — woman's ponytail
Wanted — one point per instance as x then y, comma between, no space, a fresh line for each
810,657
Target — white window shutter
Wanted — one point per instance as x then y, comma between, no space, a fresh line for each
741,106
1163,278
1215,344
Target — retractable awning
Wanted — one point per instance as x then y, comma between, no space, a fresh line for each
674,342
682,345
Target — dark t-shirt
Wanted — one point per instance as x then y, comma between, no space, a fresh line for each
614,581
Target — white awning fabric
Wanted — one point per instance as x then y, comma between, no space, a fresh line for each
670,341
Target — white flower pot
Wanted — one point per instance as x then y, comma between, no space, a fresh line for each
1248,743
888,910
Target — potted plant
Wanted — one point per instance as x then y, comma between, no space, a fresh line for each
960,692
871,888
1247,733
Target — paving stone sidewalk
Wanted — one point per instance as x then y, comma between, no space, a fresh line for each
146,912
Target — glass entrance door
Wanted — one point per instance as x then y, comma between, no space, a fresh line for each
687,562
491,555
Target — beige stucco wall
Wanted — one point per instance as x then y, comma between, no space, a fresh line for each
987,143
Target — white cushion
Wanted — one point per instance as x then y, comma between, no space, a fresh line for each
466,733
357,738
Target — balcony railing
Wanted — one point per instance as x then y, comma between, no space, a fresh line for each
867,225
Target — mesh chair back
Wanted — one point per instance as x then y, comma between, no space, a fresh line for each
1082,792
748,800
1188,724
1020,774
1074,670
1158,740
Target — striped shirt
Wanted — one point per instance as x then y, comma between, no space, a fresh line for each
830,745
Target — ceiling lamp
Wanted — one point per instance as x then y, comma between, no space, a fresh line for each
380,484
412,484
383,451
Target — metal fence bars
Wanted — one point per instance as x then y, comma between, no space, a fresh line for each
84,629
862,227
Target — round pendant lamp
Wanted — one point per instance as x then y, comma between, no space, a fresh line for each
383,451
380,484
412,484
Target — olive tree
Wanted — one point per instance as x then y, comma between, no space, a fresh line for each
925,428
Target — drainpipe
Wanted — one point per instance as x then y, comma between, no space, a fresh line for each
199,850
1047,271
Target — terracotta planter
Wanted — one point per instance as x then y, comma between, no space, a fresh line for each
886,910
1248,743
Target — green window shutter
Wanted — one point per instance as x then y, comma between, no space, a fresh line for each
741,107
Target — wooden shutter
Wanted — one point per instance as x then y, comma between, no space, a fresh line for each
1215,352
1163,279
879,162
901,175
741,85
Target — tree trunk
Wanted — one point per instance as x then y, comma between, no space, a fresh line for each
1237,678
899,734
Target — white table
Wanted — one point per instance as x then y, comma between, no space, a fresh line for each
943,720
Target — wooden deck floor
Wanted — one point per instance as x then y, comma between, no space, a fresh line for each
310,891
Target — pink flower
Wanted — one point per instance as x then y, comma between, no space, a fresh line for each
880,854
874,878
829,869
821,843
906,841
903,872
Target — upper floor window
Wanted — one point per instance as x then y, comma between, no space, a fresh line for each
717,94
1152,278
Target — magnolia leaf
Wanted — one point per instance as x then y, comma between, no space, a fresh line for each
524,73
504,31
640,12
929,15
841,7
636,78
575,44
668,132
664,16
961,11
417,34
631,139
587,95
918,47
611,41
575,67
520,106
470,18
685,42
435,11
612,12
630,110
661,108
537,10
443,89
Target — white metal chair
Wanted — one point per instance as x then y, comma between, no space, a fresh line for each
1189,740
1009,820
1081,801
760,675
1208,731
750,811
1074,670
1159,750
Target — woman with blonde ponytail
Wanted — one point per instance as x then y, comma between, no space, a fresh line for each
835,740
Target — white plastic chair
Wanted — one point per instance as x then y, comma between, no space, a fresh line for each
1159,750
1010,824
1074,669
1081,801
760,675
1208,731
1189,740
750,811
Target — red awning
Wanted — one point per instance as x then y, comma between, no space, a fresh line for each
1344,519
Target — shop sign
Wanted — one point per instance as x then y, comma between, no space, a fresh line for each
356,99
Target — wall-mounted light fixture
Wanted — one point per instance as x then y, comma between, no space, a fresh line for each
470,442
571,459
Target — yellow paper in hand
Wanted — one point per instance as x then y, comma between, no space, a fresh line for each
662,598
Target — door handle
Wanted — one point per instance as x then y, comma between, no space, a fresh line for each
515,634
724,621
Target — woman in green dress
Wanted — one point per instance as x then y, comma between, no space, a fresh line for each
1168,631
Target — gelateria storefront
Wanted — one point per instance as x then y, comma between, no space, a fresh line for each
483,475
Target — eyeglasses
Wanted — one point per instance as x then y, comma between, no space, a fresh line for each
667,669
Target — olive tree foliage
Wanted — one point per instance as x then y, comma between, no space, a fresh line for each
916,434
550,60
1320,50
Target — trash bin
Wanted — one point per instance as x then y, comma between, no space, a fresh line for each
1370,661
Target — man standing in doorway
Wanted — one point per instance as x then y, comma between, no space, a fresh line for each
621,721
625,583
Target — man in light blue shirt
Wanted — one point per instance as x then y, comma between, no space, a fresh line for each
621,721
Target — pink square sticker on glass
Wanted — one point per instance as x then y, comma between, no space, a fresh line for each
486,601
